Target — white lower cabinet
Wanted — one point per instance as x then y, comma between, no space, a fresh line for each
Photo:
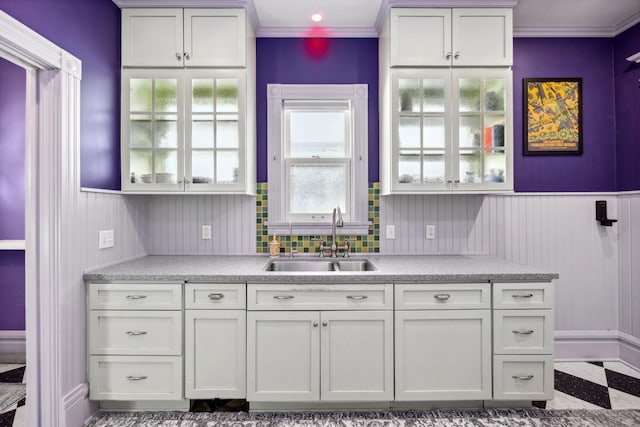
319,355
215,341
443,355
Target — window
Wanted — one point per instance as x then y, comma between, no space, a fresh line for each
317,145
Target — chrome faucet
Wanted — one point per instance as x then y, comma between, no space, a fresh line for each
336,221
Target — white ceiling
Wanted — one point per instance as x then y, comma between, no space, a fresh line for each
357,18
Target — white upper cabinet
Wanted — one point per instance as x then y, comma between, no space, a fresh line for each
450,37
179,38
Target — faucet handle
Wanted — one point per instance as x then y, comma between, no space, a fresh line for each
346,247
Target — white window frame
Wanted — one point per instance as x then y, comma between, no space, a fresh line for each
357,221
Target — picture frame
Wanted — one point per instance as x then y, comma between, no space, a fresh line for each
552,115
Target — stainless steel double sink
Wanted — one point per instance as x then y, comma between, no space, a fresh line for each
319,265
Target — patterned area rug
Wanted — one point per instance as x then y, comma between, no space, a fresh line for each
436,418
10,394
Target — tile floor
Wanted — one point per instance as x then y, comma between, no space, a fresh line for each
578,385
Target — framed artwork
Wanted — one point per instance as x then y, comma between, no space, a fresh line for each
552,116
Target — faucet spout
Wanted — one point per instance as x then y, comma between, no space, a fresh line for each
336,221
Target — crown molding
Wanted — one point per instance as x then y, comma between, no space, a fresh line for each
627,23
332,32
183,3
548,31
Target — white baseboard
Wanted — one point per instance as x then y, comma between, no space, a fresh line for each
587,345
13,342
630,350
77,406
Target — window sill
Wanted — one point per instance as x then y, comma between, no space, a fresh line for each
317,228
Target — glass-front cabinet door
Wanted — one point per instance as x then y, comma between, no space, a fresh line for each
152,143
482,130
183,130
451,130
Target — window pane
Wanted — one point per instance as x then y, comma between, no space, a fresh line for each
409,132
166,131
140,95
494,166
495,94
469,95
227,95
433,132
470,167
140,131
433,93
202,132
434,167
227,167
166,166
409,166
202,167
317,188
227,131
469,131
409,92
166,95
317,133
494,131
140,162
202,91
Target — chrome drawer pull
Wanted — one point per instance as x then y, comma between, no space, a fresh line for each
358,297
136,333
442,297
216,296
283,296
522,295
136,296
522,377
132,378
523,332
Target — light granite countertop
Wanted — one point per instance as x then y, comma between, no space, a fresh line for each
409,268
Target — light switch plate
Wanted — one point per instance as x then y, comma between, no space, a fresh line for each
206,232
105,239
430,232
391,232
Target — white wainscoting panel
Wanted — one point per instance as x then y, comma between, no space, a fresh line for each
173,225
555,232
629,228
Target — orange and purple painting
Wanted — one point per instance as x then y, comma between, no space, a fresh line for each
553,109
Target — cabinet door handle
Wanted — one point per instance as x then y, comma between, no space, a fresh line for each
325,324
315,324
186,56
178,56
283,296
442,297
448,55
216,296
136,296
136,378
457,181
357,297
457,55
523,332
522,377
136,333
522,295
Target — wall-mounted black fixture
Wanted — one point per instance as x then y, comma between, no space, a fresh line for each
601,214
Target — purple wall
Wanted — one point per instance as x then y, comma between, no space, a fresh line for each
591,59
89,30
12,161
627,93
12,291
316,61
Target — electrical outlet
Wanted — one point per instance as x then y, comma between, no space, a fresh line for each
430,233
391,232
105,239
206,232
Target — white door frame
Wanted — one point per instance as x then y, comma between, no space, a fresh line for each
51,142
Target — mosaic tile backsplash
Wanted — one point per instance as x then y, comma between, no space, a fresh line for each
304,244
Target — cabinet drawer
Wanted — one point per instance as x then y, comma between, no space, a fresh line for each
135,296
523,377
522,295
135,332
319,297
443,296
136,378
523,332
215,296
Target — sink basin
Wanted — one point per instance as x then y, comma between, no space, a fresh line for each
319,265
